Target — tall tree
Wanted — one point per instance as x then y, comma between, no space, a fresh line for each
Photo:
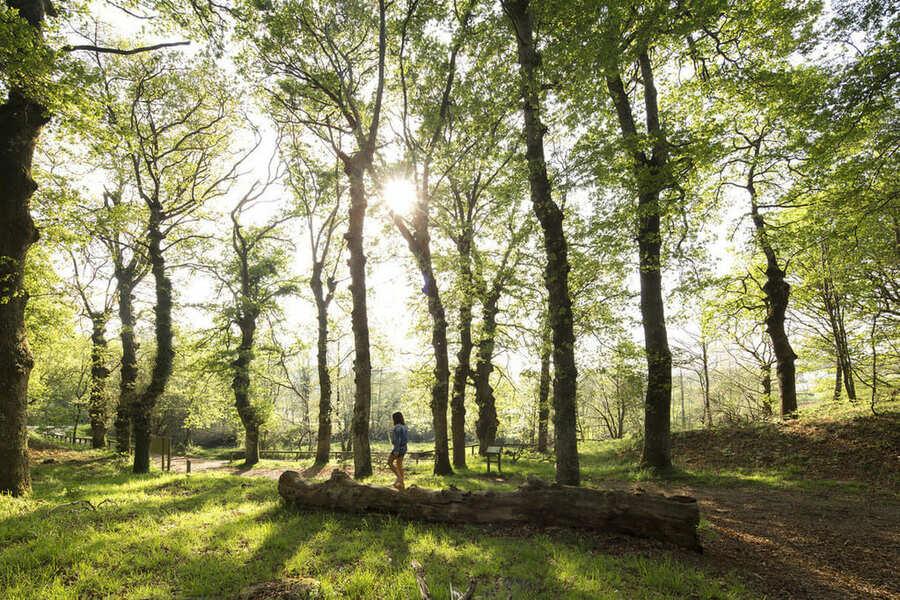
129,268
95,291
320,200
550,216
255,276
177,139
328,63
490,292
22,116
432,110
477,200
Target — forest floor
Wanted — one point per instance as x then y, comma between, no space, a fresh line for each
809,509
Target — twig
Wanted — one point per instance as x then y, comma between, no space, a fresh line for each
420,579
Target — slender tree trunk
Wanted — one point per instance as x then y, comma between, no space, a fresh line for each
777,292
544,398
440,388
21,121
129,367
556,274
419,243
460,378
766,370
487,423
463,359
99,375
649,173
76,423
707,404
165,353
240,383
844,349
359,320
323,436
838,381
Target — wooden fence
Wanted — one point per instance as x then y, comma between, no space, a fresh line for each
341,455
68,438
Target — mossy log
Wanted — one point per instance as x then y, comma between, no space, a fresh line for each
672,519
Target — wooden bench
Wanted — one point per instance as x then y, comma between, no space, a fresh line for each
493,453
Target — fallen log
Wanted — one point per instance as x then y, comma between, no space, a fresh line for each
672,519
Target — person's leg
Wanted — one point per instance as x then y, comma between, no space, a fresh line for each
393,467
400,472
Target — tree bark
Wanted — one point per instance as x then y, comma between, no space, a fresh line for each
544,398
707,403
359,319
165,353
672,519
240,383
440,388
831,301
323,435
419,242
648,171
777,293
463,357
766,382
125,284
556,274
487,422
99,400
21,120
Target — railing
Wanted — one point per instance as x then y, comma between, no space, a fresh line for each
342,455
69,439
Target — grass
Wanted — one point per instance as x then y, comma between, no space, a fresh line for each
211,535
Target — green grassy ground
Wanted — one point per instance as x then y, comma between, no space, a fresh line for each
91,529
211,535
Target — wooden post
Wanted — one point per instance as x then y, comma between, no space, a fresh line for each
188,466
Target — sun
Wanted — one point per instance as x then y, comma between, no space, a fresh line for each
400,195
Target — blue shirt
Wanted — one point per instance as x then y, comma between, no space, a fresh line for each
399,437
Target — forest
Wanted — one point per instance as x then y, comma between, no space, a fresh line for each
630,270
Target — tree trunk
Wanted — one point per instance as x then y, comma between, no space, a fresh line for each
440,388
556,274
76,423
846,362
129,369
672,519
463,359
251,443
766,370
165,353
487,422
359,319
419,243
707,404
323,435
544,399
838,381
777,292
649,173
240,383
21,121
99,374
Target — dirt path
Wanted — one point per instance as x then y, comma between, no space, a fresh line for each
799,544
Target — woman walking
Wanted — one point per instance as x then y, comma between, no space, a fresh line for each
399,438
